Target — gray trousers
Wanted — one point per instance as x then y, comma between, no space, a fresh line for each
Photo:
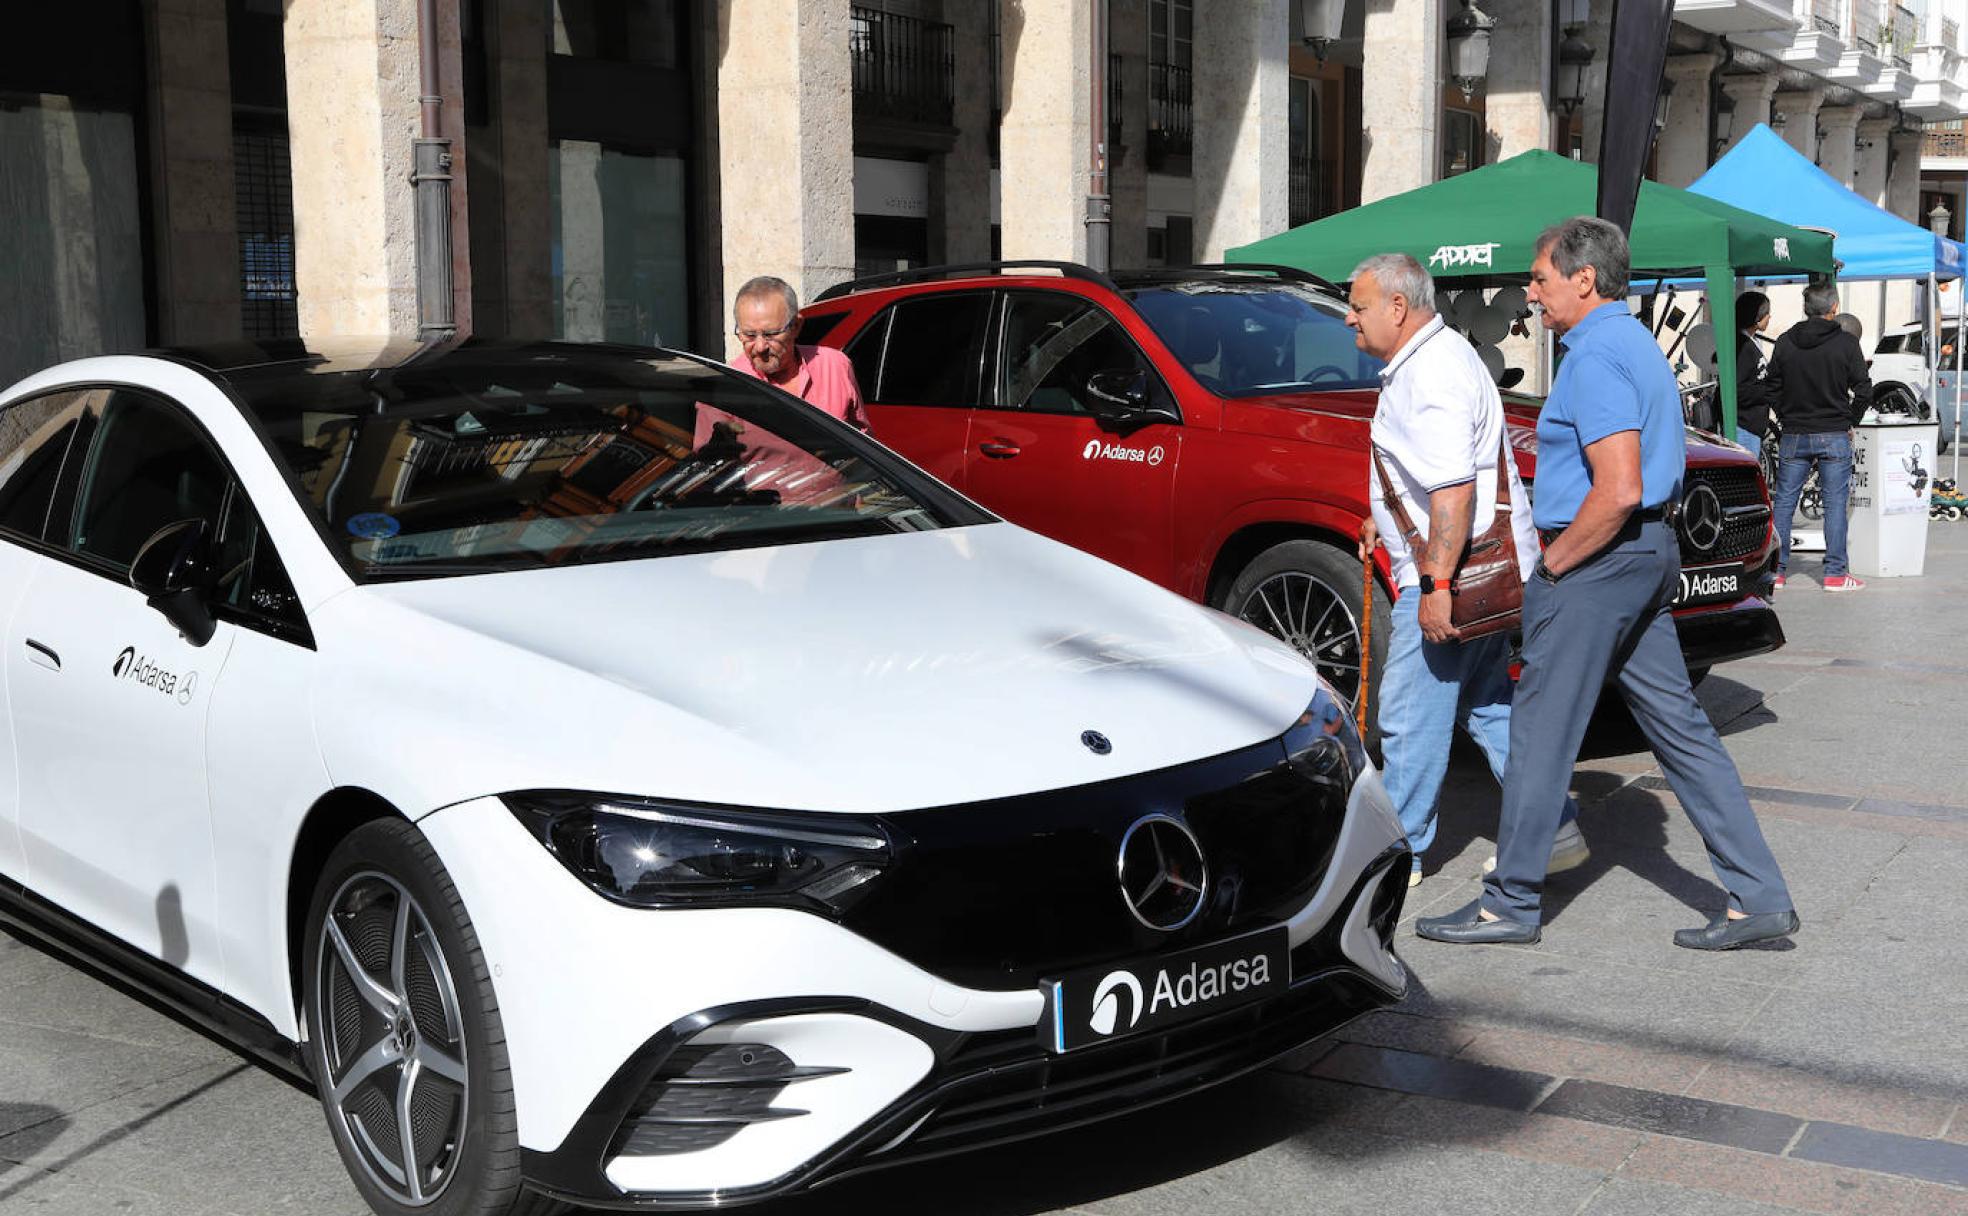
1609,620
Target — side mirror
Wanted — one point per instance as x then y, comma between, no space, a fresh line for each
1120,397
174,569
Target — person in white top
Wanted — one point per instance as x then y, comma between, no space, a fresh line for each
1438,429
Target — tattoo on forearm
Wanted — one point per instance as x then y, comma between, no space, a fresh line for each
1451,513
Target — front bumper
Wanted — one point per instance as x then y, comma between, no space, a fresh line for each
1741,630
830,1055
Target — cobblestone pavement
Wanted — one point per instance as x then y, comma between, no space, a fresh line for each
1603,1071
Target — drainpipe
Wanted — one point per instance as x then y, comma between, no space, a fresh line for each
432,177
1099,204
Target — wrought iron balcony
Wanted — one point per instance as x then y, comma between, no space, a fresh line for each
1309,197
904,67
1945,144
1904,26
1170,118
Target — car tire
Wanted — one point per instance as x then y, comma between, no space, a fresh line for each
417,1029
1307,593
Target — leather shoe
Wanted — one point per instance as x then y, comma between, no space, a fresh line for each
1471,929
1726,934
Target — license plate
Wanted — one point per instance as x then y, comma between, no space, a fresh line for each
1711,585
1101,1004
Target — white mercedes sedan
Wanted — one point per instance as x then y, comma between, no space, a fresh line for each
607,779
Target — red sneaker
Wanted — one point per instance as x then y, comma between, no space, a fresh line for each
1843,582
1779,583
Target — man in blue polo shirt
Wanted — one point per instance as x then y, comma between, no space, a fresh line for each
1610,457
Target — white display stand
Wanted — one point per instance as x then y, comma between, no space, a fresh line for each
1892,478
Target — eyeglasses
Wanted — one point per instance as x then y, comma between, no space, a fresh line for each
753,335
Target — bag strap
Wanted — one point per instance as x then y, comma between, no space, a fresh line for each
1394,505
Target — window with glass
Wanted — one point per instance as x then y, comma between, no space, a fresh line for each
562,458
35,437
1171,32
1462,141
1054,344
930,351
1249,339
620,250
147,467
626,31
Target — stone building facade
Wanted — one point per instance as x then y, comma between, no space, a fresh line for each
188,171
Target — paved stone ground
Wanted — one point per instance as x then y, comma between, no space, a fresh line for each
1604,1071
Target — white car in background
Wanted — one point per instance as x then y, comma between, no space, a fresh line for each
1899,363
608,779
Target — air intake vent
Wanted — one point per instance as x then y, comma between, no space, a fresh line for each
703,1096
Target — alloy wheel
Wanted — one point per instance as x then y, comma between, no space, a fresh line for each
392,1038
1304,611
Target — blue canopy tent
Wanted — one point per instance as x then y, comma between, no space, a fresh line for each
1766,175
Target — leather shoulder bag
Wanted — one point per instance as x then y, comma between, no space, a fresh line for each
1487,592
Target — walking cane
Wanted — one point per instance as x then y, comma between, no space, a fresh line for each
1366,643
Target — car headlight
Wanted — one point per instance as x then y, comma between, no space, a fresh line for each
658,855
1323,746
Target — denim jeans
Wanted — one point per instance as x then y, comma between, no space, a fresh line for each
1831,452
1426,690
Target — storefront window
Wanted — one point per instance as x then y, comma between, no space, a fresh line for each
620,259
70,236
628,31
1462,142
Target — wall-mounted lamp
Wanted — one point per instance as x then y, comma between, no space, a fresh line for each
1574,64
1469,47
1661,101
1322,23
1777,120
1725,119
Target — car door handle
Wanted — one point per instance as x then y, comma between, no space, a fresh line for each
44,655
999,449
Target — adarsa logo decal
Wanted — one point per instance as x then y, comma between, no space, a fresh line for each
1708,583
1096,450
137,669
1173,991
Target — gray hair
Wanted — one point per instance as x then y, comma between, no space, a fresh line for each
764,285
1821,299
1586,241
1400,275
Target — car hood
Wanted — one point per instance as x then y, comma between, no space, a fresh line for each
871,674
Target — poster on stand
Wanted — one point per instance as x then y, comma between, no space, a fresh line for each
1903,477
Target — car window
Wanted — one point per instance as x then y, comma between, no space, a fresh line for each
865,352
563,458
1247,339
148,467
934,347
1054,343
34,438
1914,343
813,328
248,576
1890,345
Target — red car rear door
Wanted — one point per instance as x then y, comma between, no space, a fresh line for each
920,367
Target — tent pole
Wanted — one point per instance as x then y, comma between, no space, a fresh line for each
1720,285
1960,323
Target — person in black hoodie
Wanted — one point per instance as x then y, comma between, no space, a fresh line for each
1819,387
1752,391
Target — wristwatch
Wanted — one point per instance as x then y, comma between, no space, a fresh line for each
1429,586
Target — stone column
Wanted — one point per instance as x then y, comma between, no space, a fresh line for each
1869,159
1752,95
352,88
1799,111
960,179
1682,151
193,214
1903,177
785,143
1517,108
1242,160
1838,150
1127,179
1401,97
1044,138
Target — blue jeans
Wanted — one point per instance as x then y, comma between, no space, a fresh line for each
1749,439
1426,690
1831,452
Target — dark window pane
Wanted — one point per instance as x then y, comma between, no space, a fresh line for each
149,468
34,436
1053,346
248,576
814,328
866,352
934,345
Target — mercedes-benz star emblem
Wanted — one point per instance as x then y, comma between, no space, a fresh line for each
1096,742
1163,875
1701,517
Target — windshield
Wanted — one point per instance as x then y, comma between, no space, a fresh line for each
1246,339
473,463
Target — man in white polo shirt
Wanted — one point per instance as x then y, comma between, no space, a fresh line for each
1438,429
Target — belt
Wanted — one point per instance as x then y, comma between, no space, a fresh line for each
1629,531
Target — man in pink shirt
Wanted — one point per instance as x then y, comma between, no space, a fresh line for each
767,316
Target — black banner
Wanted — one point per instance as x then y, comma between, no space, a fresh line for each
1634,62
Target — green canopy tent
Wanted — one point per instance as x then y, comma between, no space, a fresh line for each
1485,224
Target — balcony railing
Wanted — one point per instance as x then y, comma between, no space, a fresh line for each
1945,144
1868,19
1904,36
1826,16
1309,197
904,67
1169,115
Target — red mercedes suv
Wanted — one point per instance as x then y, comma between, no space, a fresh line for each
1206,428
